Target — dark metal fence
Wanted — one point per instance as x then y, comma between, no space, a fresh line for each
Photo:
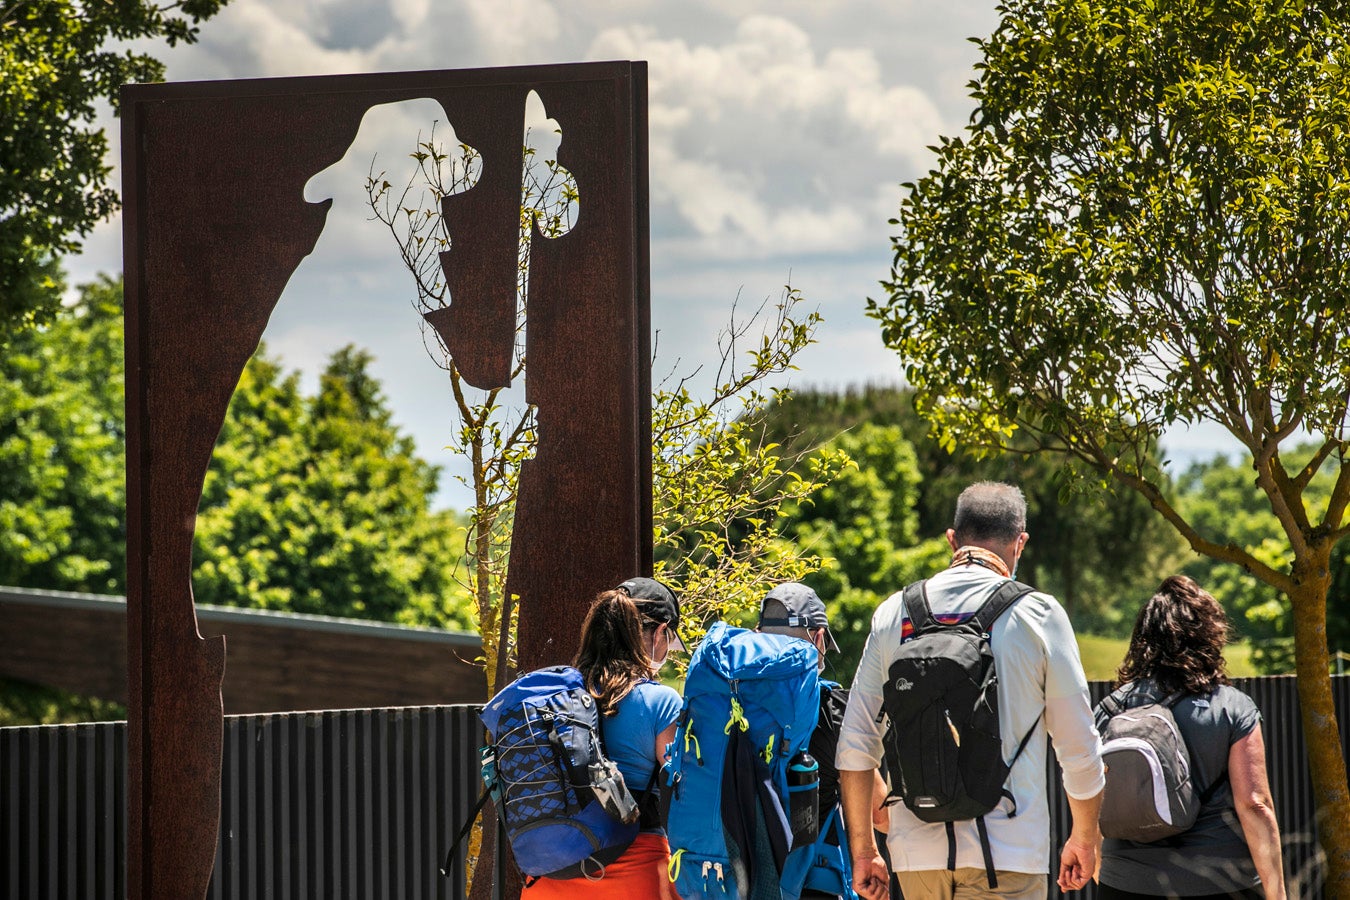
362,803
340,804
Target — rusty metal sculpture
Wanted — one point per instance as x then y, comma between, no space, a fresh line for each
215,223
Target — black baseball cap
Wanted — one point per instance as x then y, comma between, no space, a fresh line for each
656,602
804,610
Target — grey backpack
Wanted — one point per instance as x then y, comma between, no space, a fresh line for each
1150,793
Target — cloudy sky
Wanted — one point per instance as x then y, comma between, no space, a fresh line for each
779,135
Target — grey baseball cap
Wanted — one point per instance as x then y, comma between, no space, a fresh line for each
804,610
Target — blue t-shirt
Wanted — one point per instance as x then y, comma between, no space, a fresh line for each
630,734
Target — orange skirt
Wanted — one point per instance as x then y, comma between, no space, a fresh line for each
640,874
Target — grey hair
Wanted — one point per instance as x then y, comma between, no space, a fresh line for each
990,511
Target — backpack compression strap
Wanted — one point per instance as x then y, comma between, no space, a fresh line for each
463,833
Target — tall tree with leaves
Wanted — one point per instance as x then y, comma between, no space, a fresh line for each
1147,224
57,66
1221,498
62,488
319,505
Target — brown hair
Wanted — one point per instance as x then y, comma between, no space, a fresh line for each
1178,640
612,656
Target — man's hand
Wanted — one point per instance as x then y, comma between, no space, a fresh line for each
1079,861
870,878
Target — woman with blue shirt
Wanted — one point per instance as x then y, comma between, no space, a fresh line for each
627,635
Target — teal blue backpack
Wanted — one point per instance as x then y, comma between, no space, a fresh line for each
824,866
750,703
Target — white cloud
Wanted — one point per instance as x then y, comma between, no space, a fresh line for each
765,144
513,30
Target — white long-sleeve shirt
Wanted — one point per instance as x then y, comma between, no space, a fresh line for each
1038,669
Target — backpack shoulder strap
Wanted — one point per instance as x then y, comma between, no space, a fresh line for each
1003,596
917,609
1111,706
1172,699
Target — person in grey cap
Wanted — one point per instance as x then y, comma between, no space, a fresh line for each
795,610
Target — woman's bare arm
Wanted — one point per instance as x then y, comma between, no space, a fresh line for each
1256,810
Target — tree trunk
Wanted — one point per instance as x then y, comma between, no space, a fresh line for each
487,871
1320,729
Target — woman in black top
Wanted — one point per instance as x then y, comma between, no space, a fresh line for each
1233,850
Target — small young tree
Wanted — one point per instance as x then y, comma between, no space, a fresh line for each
1147,225
717,485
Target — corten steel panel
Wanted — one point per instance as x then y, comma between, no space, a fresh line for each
214,225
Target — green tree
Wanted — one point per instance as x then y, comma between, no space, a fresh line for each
319,505
1099,555
54,189
62,489
719,487
864,523
1223,499
1147,224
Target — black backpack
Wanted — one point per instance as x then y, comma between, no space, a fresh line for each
1150,791
944,751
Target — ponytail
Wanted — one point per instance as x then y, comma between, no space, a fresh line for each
612,657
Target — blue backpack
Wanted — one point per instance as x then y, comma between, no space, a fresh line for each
826,865
750,703
563,803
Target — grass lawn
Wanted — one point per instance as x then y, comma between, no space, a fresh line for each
1102,656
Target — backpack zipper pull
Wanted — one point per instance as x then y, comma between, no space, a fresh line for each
690,738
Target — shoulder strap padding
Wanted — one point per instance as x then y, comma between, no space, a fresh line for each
917,609
1004,596
1111,706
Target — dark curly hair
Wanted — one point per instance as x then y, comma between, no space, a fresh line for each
1178,640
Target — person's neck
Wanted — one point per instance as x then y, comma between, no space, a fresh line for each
972,555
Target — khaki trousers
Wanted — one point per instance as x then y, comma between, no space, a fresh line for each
965,884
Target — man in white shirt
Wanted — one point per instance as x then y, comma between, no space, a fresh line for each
1041,690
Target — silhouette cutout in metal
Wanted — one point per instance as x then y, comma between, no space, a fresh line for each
214,225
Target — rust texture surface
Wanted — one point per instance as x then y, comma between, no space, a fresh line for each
215,223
